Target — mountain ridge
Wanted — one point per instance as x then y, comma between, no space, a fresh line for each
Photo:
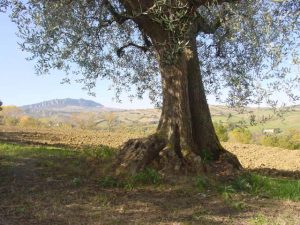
61,103
63,107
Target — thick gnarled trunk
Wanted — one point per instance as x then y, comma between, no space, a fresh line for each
185,119
185,138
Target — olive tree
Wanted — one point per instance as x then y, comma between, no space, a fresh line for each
177,49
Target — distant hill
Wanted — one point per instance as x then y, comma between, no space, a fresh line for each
62,110
62,107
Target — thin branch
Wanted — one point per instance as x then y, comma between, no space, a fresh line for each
147,41
198,3
119,18
120,51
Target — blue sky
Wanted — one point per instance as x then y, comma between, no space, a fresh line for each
19,85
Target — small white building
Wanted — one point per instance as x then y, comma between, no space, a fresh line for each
271,131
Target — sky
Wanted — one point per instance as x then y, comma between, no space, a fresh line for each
19,85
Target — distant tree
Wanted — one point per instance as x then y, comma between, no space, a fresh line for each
27,121
11,115
252,119
84,120
217,46
110,118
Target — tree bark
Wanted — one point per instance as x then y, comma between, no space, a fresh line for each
185,137
185,113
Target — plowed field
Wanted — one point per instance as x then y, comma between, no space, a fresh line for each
251,156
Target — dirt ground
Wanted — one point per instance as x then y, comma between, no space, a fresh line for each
252,157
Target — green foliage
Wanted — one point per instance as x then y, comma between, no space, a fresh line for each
241,135
147,176
291,140
102,152
232,47
221,131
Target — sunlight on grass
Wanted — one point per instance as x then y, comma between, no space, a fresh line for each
277,188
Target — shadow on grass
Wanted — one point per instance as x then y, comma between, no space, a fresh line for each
50,186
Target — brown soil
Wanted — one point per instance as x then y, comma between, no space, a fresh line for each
252,157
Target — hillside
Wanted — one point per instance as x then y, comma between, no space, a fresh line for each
255,119
61,107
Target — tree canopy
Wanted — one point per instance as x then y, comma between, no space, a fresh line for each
246,48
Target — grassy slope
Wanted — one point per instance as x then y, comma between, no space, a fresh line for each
290,120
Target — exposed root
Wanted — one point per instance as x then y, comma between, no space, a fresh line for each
137,154
226,166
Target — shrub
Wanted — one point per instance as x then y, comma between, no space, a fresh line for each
26,121
240,135
291,140
221,132
269,140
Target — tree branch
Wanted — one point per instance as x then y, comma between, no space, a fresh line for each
120,51
205,27
198,3
119,18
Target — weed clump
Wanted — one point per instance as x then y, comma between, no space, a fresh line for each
146,177
201,183
110,182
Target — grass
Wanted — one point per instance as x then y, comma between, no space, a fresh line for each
263,186
47,185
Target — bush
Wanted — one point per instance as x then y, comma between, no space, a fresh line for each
26,121
270,140
240,135
291,140
221,132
